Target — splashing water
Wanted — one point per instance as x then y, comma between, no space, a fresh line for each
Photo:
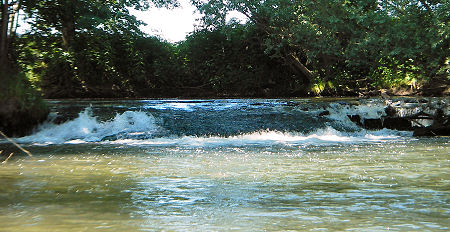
141,128
223,165
87,128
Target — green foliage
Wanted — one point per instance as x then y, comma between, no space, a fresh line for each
15,87
47,65
89,15
230,60
88,48
392,73
21,106
102,65
341,40
287,48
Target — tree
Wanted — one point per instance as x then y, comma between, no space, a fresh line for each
229,60
419,34
71,16
79,34
268,16
8,16
343,40
21,107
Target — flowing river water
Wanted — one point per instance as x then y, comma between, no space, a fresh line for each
223,165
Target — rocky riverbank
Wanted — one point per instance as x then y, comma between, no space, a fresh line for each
424,116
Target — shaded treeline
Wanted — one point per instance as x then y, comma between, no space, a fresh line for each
21,106
285,49
228,61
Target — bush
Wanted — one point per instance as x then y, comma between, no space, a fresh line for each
21,106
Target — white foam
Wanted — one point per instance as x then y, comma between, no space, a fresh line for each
325,136
125,127
87,128
339,113
365,111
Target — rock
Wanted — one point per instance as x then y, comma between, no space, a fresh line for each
373,124
432,131
390,111
397,124
324,113
356,119
440,127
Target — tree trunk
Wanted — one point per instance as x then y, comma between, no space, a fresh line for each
68,34
68,26
300,67
4,33
14,20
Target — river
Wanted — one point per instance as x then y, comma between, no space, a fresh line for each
223,165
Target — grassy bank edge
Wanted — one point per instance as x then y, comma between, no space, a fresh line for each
21,106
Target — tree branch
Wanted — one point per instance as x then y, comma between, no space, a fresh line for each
426,5
17,145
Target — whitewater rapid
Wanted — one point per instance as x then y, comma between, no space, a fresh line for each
138,127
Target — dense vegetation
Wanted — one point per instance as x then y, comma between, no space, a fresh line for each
92,48
21,106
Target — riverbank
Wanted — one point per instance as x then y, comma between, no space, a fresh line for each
21,106
438,88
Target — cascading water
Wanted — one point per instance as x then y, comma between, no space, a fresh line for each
213,122
227,164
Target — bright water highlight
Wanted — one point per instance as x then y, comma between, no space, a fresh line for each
221,165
